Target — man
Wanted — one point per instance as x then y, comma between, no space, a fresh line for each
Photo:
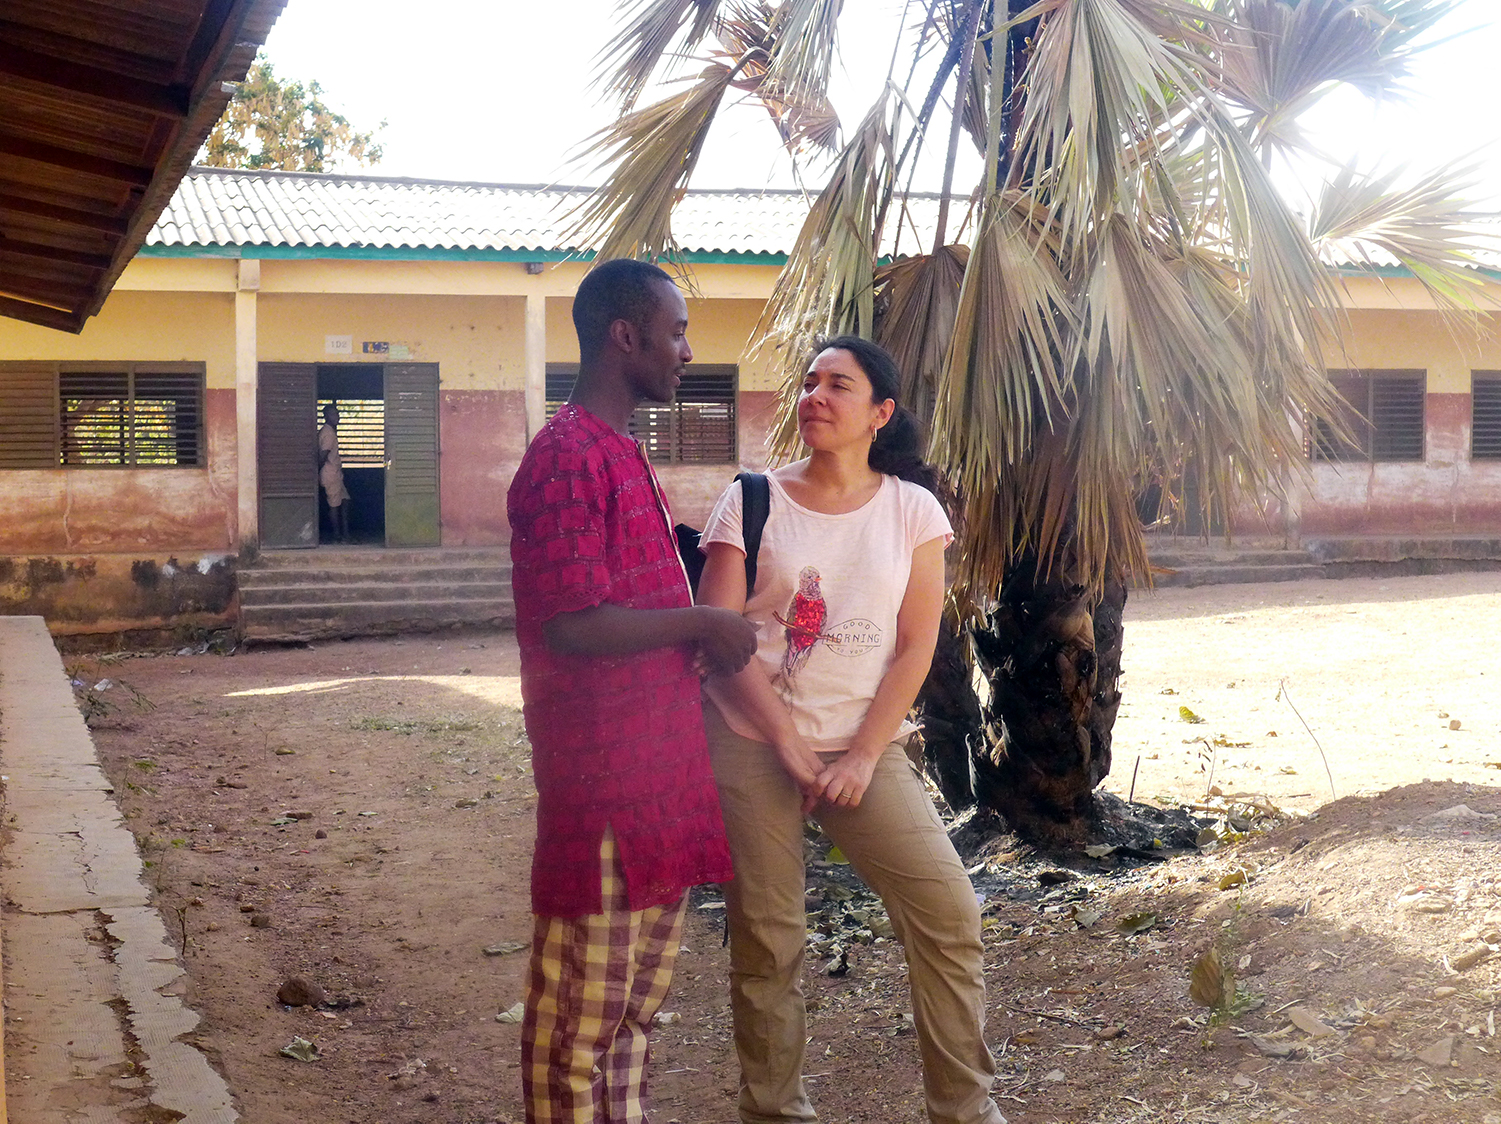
331,473
611,643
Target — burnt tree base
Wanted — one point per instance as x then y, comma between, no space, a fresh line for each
1050,653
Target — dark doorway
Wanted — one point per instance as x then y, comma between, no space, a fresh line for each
358,390
388,443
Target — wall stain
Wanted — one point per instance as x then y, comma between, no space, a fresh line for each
107,592
145,573
43,572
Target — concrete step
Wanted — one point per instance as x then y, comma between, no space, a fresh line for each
1395,549
371,618
1238,574
341,557
1179,559
308,577
308,593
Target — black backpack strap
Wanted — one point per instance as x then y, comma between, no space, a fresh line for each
755,505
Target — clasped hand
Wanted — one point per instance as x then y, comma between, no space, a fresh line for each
841,783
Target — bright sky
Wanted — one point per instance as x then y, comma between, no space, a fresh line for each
500,91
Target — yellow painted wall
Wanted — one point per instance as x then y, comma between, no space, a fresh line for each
194,327
1418,340
478,342
719,331
219,275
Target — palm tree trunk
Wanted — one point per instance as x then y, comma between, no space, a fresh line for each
949,711
1050,655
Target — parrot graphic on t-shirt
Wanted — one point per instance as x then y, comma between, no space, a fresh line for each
804,621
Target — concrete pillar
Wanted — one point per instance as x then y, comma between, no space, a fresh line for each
245,384
536,363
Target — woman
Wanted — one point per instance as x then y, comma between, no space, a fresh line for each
849,592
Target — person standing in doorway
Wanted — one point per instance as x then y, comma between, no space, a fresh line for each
611,647
331,473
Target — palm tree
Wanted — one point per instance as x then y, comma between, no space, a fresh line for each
1136,299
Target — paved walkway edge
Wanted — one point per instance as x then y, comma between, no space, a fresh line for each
92,1031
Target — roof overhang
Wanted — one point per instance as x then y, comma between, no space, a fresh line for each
102,109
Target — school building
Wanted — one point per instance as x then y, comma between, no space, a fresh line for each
155,464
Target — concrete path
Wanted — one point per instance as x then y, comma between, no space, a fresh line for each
93,1032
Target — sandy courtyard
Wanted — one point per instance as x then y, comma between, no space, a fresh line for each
361,814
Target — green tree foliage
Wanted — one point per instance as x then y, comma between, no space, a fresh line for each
285,125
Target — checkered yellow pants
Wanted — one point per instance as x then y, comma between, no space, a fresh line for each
596,982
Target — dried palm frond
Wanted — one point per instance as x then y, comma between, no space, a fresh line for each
626,65
747,36
804,31
654,151
1003,380
917,302
827,286
1277,58
1098,82
1367,221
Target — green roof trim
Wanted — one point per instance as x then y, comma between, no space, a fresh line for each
457,253
433,253
1401,271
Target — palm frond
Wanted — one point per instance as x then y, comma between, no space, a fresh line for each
1003,380
653,151
804,120
804,31
917,302
626,64
1278,58
827,286
1368,221
1101,76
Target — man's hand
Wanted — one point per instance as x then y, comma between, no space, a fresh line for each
726,640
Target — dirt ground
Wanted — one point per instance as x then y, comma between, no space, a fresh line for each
360,814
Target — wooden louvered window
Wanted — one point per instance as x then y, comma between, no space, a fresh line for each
28,415
697,427
1384,415
93,415
1485,415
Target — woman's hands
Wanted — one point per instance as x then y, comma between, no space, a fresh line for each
843,781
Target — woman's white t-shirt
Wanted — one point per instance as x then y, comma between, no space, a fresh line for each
828,588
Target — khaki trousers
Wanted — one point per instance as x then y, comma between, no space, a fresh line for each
897,844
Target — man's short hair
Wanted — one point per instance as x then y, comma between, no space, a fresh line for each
619,289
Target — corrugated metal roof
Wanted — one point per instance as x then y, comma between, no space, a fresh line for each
216,207
223,208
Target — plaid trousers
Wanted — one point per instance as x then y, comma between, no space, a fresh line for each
595,984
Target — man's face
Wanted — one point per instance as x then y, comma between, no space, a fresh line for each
663,350
332,416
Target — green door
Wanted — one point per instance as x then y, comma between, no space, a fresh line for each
412,454
286,438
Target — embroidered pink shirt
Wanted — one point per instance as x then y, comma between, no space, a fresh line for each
617,741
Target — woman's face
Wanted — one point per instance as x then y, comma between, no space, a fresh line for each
835,410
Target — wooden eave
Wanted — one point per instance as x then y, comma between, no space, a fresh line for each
103,105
